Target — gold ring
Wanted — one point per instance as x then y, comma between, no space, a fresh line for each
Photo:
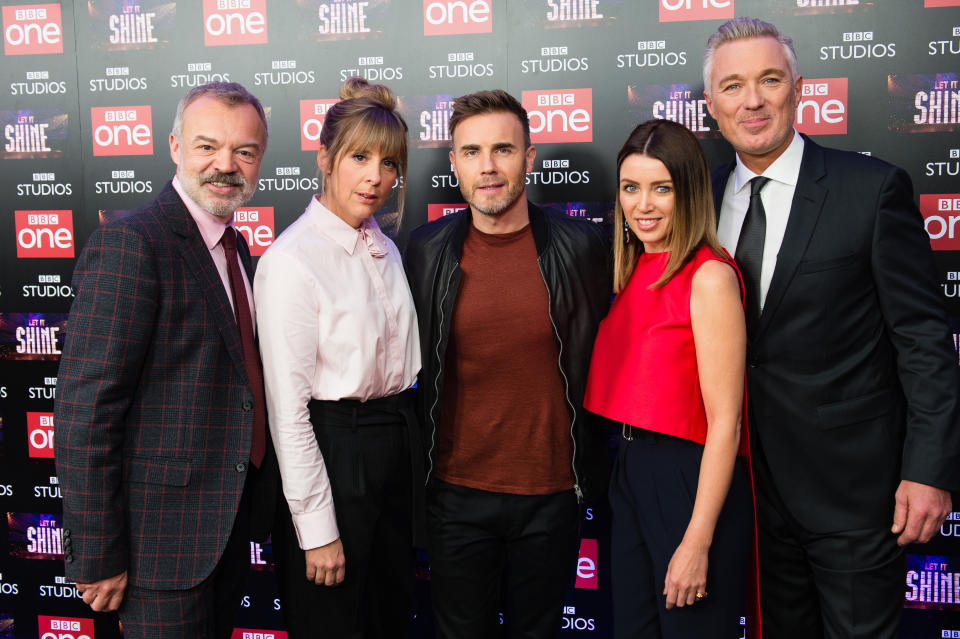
700,595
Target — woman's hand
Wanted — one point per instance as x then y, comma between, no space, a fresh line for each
686,575
326,565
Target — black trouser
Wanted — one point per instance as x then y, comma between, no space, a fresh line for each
366,450
652,491
843,585
478,539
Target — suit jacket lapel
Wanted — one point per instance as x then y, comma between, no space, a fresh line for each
196,256
808,198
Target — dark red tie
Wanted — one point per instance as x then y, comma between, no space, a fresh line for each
251,358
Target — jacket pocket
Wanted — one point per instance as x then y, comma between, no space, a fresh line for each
851,411
815,266
166,471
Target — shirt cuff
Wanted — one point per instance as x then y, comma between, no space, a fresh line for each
317,528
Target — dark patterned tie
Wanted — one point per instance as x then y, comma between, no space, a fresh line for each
749,254
251,358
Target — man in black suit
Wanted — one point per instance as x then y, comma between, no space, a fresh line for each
852,379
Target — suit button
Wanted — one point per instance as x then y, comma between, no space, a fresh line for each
752,364
247,405
68,558
241,467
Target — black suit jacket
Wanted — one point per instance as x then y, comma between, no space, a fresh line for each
153,416
853,382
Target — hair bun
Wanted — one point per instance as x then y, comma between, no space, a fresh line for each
357,87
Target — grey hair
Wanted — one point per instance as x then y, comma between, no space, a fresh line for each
230,93
744,29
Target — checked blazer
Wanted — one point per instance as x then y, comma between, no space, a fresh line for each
154,415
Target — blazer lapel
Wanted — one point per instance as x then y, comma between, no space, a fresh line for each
196,256
805,209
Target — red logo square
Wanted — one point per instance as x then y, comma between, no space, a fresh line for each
32,28
122,130
227,22
44,233
256,225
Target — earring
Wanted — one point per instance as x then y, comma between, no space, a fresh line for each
626,232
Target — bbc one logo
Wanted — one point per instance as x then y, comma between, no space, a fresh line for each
449,17
227,22
823,107
564,115
436,211
32,28
587,565
941,218
312,114
256,225
40,435
124,130
44,233
64,627
678,10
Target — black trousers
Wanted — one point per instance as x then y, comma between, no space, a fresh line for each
206,611
478,540
652,490
366,449
847,584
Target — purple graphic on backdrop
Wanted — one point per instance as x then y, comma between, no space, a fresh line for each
35,536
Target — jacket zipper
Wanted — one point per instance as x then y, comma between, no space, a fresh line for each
436,380
566,385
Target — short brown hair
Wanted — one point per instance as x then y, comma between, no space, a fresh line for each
692,223
482,102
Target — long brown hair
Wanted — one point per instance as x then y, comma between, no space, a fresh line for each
366,118
693,221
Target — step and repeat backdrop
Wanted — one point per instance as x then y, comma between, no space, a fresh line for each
87,96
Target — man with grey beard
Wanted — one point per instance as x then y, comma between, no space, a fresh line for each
161,440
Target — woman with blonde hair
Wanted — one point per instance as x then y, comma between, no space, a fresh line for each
340,346
668,363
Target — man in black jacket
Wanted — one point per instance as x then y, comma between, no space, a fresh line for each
508,299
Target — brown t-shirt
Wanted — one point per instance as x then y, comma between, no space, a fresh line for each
504,420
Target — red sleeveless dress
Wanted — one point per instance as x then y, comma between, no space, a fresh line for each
644,373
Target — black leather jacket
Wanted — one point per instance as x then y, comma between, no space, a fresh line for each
574,259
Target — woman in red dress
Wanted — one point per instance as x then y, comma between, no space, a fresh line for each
668,363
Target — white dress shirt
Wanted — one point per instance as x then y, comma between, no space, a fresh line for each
334,323
777,197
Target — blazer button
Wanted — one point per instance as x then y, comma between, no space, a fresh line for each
68,558
241,467
247,405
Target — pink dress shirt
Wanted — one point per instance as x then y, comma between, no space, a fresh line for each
211,230
335,322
